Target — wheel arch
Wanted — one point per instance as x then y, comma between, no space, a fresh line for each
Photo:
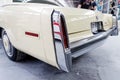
1,32
1,29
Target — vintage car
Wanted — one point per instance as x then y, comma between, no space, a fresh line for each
51,32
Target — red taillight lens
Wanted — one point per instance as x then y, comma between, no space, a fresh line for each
59,28
64,33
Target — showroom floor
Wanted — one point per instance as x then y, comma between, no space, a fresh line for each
102,63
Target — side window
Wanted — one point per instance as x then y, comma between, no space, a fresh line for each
42,1
18,0
38,1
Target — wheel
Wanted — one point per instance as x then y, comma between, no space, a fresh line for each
12,53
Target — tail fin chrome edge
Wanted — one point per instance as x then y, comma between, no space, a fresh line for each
61,42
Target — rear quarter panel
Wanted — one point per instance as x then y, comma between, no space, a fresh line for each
17,19
48,36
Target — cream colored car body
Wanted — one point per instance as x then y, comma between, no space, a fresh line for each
18,18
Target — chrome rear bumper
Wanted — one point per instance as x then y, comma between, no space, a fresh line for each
64,56
80,47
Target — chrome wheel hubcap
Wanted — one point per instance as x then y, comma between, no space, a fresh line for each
7,45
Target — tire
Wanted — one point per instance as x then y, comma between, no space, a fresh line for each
11,52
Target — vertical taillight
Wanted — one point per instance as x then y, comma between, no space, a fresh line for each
64,32
61,42
59,28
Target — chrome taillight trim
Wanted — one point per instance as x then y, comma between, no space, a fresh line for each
63,55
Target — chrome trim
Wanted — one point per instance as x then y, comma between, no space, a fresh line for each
62,55
115,24
114,19
83,46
